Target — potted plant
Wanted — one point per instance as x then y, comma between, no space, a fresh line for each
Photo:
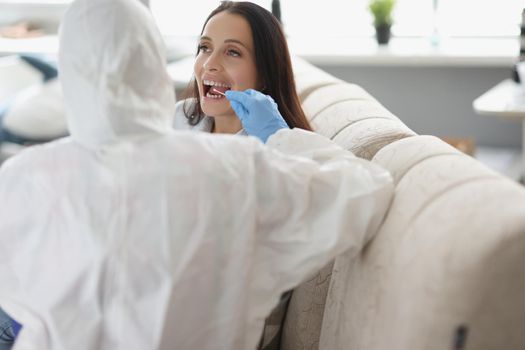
382,12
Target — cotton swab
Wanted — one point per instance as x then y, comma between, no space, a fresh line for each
219,92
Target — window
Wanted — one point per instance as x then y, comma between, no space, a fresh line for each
334,18
185,18
480,18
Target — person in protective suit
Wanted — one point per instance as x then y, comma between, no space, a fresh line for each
130,235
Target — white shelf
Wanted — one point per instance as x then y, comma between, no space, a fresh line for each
505,100
342,51
407,52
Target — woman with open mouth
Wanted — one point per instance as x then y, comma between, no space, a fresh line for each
242,46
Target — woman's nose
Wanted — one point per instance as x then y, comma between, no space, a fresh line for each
212,64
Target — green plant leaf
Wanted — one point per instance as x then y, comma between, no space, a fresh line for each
382,11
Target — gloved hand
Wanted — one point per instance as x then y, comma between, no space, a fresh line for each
258,113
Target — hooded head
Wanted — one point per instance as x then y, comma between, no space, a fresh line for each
112,65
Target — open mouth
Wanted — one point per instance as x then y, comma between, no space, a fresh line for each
214,89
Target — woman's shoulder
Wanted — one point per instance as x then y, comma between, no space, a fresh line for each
181,121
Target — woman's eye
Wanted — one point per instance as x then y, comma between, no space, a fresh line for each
203,48
233,53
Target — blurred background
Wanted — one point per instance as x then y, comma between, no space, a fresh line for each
442,55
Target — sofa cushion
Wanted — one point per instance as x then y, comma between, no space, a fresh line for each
325,96
366,138
15,76
447,261
302,326
347,114
363,127
38,113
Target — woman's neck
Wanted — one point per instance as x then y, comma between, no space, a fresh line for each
226,125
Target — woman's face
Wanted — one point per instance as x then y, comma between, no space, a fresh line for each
225,61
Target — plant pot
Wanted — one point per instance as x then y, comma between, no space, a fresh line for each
383,34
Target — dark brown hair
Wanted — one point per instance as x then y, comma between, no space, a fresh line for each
272,61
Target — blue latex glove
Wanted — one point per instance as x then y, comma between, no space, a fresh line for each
258,113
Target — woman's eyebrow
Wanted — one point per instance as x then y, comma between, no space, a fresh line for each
204,37
237,42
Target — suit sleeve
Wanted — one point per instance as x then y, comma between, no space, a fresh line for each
313,207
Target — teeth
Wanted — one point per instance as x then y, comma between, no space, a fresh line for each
213,96
215,83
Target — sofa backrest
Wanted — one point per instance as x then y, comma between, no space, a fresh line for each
355,120
345,112
349,115
446,269
446,265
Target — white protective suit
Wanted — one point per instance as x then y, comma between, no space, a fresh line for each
130,235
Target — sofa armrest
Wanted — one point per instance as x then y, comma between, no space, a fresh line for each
446,263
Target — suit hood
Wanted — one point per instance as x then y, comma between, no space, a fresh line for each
112,66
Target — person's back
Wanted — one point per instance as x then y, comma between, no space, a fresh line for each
112,220
131,235
139,244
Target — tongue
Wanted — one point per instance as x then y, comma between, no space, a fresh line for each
218,90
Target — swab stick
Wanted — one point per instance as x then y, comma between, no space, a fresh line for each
219,92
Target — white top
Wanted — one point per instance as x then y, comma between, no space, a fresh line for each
180,121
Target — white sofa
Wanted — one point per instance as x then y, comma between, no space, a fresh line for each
446,269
